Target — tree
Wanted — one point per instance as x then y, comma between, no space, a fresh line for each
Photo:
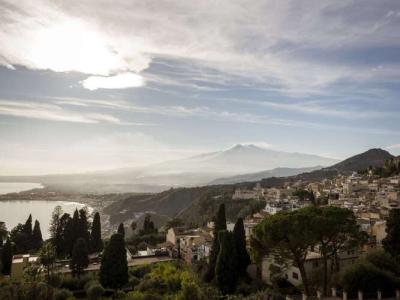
148,226
243,257
20,239
95,236
121,229
219,224
335,229
80,258
114,264
226,271
391,243
56,230
3,233
67,236
37,239
6,257
83,227
288,236
133,226
176,222
28,226
47,257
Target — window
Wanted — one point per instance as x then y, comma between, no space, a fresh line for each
295,275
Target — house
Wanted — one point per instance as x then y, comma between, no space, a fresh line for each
20,263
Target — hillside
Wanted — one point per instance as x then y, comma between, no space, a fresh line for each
278,172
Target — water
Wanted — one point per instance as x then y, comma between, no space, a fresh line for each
17,211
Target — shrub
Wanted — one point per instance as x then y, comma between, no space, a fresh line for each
62,294
94,291
73,284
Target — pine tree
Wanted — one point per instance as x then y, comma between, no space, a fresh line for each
219,224
95,236
391,243
114,264
226,267
243,258
37,239
80,258
121,229
6,257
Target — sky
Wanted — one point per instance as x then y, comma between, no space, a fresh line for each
93,85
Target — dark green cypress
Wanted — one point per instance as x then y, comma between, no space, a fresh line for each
114,264
121,229
226,274
6,257
243,258
80,258
95,236
219,224
37,239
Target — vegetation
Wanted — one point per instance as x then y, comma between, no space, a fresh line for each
121,229
96,243
243,258
391,243
80,258
6,257
114,264
227,263
219,225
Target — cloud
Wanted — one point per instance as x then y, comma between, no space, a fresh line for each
119,81
285,45
51,112
393,147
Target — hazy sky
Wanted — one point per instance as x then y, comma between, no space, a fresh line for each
100,84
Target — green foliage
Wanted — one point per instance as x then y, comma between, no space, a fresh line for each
391,243
94,291
6,257
175,222
243,258
121,229
288,236
368,278
114,264
62,294
227,263
37,239
148,226
96,244
47,257
219,225
80,258
74,283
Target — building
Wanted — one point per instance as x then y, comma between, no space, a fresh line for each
20,263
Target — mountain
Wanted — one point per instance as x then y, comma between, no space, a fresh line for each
277,172
241,159
373,157
193,171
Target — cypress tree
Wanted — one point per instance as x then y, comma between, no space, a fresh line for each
68,237
219,224
114,264
37,239
391,243
226,267
6,257
83,225
121,229
75,228
80,258
27,232
243,258
95,236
